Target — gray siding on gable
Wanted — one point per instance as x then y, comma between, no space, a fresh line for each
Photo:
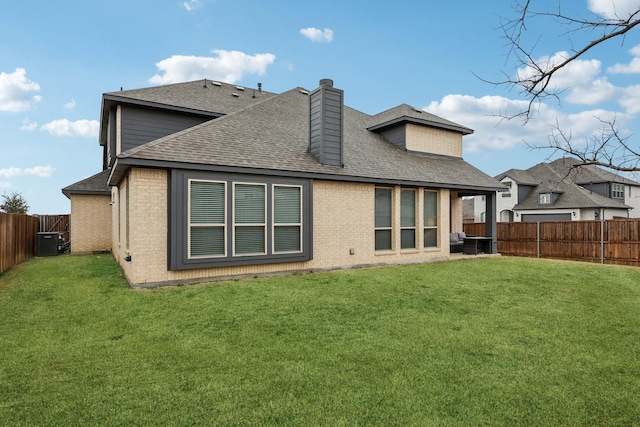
396,135
523,192
325,129
602,188
111,139
142,125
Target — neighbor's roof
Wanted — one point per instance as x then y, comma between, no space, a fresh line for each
571,196
272,137
586,174
93,185
521,177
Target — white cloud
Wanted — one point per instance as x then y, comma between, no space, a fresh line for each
39,171
593,92
576,73
10,172
227,66
28,125
70,105
614,9
81,128
630,99
632,67
192,5
492,132
317,35
16,91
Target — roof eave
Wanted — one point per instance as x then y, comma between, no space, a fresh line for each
405,119
123,164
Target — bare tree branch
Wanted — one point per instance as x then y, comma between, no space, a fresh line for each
533,79
606,148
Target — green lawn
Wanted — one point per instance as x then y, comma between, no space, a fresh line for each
493,341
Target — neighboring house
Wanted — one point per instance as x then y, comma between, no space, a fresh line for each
473,209
560,191
212,180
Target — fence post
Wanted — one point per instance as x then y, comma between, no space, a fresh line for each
538,236
602,238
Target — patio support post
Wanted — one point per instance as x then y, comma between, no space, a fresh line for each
491,227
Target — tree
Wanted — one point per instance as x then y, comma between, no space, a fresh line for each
533,78
14,203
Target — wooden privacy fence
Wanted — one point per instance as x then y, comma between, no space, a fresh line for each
17,239
55,223
613,241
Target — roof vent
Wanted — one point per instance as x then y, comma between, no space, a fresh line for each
237,95
216,83
304,92
239,88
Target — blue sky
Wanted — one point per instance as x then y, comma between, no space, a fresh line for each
58,58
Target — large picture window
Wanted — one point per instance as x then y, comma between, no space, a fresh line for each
219,219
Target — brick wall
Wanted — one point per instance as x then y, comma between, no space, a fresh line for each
343,220
456,212
90,227
431,140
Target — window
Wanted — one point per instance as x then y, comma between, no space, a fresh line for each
545,198
617,191
287,219
383,219
430,221
407,219
508,192
224,219
250,222
207,219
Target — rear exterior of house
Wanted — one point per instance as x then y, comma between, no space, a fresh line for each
284,183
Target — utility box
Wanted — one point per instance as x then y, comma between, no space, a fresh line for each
49,244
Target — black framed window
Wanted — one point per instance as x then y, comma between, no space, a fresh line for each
220,219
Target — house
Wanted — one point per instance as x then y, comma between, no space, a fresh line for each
210,180
561,191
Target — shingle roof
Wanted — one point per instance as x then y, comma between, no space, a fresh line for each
273,136
203,95
519,176
586,174
571,196
407,113
95,184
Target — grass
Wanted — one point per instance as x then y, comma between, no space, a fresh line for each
501,341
